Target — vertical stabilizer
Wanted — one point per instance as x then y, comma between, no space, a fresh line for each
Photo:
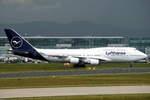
20,46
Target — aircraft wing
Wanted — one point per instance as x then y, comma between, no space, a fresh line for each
83,57
92,57
101,58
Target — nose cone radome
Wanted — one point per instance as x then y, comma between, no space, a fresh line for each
144,55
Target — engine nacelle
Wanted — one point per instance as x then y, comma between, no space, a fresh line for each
74,60
93,61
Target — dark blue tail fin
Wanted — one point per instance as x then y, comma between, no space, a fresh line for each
17,42
20,46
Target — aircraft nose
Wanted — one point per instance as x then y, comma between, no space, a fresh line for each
144,55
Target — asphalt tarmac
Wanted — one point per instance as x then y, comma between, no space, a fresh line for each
72,91
76,72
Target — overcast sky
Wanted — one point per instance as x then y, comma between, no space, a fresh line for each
116,12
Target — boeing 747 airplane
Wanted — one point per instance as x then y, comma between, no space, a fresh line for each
78,57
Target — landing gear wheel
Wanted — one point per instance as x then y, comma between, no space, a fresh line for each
79,66
131,64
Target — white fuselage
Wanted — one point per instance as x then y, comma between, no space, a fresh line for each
108,54
92,56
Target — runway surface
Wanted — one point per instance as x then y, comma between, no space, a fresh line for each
72,91
75,72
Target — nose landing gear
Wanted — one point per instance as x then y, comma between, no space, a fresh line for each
131,64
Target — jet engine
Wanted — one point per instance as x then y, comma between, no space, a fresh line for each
92,61
74,60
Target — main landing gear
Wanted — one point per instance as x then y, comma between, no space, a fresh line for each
75,65
83,66
79,66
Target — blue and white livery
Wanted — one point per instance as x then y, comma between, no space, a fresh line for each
77,57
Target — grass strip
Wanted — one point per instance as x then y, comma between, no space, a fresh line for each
90,80
25,67
31,67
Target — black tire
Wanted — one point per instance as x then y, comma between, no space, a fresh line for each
79,66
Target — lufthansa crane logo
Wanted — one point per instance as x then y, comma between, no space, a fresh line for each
16,42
